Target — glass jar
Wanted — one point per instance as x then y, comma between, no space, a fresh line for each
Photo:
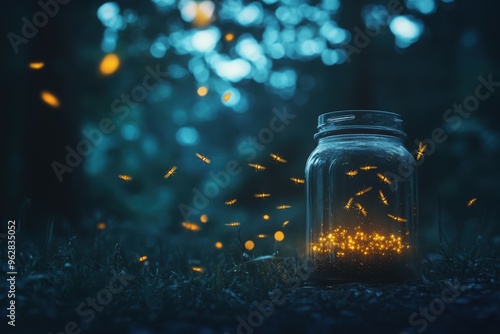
361,199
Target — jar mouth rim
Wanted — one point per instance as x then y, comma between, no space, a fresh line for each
360,121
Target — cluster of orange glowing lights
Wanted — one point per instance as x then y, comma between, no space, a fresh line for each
341,241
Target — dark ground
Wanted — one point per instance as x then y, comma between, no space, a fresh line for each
167,296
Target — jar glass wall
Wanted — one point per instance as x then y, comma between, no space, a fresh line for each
361,199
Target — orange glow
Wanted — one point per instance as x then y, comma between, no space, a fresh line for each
279,236
257,167
229,37
101,226
471,202
125,178
363,191
233,224
50,99
37,65
198,269
249,245
352,173
261,236
262,195
204,218
285,223
170,172
297,180
226,96
265,217
230,202
277,158
202,91
219,245
143,258
203,158
383,178
283,207
191,226
109,64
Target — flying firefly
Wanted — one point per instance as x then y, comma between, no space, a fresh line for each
125,178
170,172
420,150
363,191
384,178
383,198
277,158
398,219
203,158
257,167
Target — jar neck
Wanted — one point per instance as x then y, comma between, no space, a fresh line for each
357,136
357,122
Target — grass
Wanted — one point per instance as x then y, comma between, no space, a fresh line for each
61,273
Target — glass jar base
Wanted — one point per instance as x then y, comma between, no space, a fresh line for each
381,271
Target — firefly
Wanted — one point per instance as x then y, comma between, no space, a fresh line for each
226,96
398,219
37,65
348,205
420,150
367,167
283,207
383,198
257,167
249,245
265,217
125,178
198,269
361,209
352,173
262,195
262,236
190,226
277,158
143,258
233,224
170,172
285,223
219,245
203,158
279,236
109,64
50,99
471,202
363,191
384,178
297,180
230,202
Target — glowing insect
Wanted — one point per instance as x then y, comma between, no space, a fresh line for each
349,203
368,167
262,195
143,258
384,178
257,167
283,207
37,65
352,173
230,202
190,226
262,236
277,158
170,172
285,223
297,180
125,178
383,198
362,210
232,224
363,191
198,269
398,219
471,202
203,158
420,150
226,96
